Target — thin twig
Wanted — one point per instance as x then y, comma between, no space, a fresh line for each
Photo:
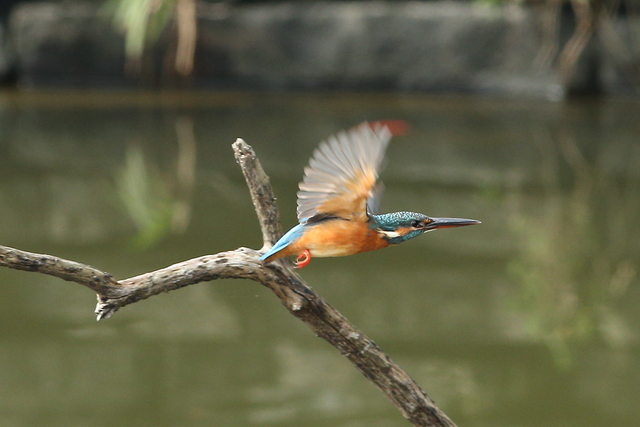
586,25
187,34
262,195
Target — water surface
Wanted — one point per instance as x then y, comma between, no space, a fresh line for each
531,319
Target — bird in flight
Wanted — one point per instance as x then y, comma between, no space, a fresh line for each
338,199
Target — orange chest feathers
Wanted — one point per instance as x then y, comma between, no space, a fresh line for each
339,238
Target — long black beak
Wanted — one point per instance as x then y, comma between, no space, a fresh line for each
450,222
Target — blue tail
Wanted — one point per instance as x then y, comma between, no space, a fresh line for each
291,236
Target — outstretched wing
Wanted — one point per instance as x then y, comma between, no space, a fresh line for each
342,173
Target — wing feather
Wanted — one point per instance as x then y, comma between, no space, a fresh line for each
343,172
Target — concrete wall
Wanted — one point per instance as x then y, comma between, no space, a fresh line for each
399,46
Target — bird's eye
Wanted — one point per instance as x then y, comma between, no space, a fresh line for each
416,224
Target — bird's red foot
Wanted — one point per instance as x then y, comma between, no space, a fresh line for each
303,259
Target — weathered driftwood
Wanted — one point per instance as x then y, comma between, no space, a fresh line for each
243,263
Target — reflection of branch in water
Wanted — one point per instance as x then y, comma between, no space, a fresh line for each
159,203
568,269
185,173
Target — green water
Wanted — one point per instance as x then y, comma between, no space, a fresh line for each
530,319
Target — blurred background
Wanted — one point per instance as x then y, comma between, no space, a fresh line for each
116,124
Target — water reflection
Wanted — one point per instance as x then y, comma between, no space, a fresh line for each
536,308
159,202
572,266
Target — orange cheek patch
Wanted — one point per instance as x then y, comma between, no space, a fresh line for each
403,231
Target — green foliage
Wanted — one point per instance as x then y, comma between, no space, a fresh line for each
142,21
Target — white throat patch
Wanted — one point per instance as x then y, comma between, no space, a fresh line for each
389,234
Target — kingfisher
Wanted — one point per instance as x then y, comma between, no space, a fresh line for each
338,198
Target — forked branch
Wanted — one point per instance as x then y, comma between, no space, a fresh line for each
243,263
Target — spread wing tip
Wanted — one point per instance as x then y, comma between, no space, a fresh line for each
343,171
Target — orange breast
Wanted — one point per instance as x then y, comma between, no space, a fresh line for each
338,237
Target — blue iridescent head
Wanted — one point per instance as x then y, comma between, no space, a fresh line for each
398,227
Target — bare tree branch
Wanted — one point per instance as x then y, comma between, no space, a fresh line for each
72,271
324,320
